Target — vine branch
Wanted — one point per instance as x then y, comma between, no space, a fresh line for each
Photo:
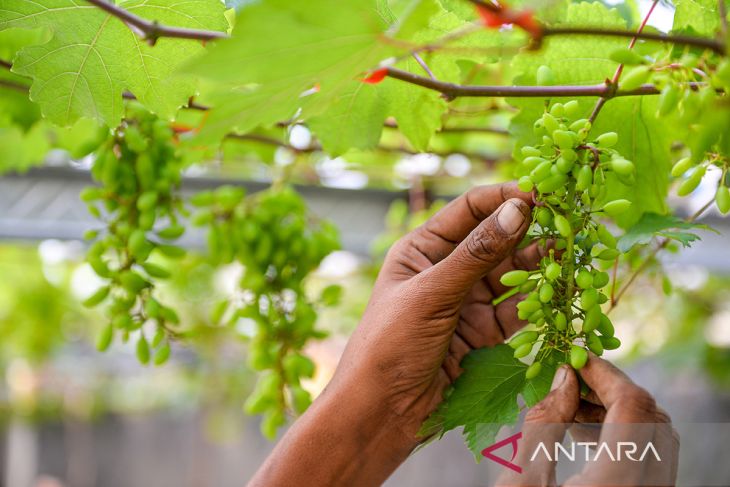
150,30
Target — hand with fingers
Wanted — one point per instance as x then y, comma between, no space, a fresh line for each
431,305
614,416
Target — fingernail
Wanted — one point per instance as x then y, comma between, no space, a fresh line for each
559,378
510,218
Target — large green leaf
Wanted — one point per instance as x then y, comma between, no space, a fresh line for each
701,16
280,50
653,225
93,57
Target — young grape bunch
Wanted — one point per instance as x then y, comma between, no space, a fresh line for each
278,243
139,172
567,172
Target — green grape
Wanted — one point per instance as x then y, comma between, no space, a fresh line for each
622,166
616,207
668,100
139,170
691,183
609,139
523,350
584,279
514,278
605,327
533,370
610,343
635,78
545,75
578,357
546,293
681,166
563,226
523,338
553,271
525,184
594,343
279,243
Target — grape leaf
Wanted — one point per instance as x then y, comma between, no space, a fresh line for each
484,394
699,15
93,57
654,225
262,82
643,137
354,120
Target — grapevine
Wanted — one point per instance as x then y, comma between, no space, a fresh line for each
278,244
139,173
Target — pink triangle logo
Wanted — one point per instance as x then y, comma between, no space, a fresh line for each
512,440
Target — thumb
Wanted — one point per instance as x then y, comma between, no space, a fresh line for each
483,249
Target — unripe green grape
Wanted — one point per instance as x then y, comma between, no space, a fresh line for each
553,271
551,184
529,151
544,217
557,110
523,350
668,100
610,343
605,327
98,296
155,270
616,207
627,56
608,254
541,171
525,184
546,293
528,286
525,337
572,108
536,317
722,198
622,166
584,178
563,165
551,125
538,127
132,282
681,166
584,279
561,322
533,370
600,279
143,350
544,76
588,299
592,319
271,423
563,225
579,125
594,343
172,232
691,183
634,78
147,201
578,357
162,354
301,399
605,237
105,338
514,278
563,139
609,139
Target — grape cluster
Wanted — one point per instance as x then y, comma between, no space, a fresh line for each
568,172
279,244
139,172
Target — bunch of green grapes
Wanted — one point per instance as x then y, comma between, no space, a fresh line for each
278,243
568,172
139,172
710,145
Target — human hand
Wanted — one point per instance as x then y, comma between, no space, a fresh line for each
432,304
625,412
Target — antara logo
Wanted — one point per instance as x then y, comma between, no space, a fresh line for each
622,451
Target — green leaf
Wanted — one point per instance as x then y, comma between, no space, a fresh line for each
699,15
280,50
485,395
654,225
93,57
354,120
